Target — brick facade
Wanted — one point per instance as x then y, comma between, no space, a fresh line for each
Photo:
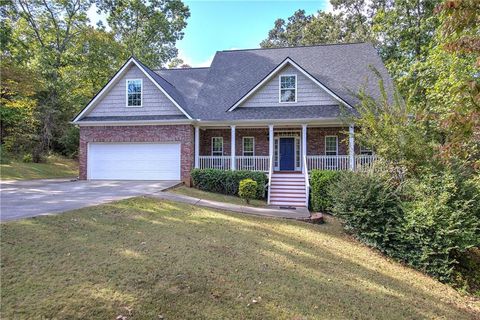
316,140
183,134
260,136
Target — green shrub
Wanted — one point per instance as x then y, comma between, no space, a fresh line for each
69,142
370,207
27,158
426,222
320,181
247,189
442,220
4,156
226,181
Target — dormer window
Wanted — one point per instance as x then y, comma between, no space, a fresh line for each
288,88
134,92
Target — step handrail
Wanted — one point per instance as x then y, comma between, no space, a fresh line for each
269,184
307,180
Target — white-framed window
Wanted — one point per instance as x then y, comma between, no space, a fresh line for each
248,146
134,92
297,153
276,148
288,88
331,145
217,146
366,151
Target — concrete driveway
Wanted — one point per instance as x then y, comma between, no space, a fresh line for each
22,199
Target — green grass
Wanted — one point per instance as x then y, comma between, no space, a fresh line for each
54,167
196,193
144,257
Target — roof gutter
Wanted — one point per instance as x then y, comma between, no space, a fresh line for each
219,123
132,122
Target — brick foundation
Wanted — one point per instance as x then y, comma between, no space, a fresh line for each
184,134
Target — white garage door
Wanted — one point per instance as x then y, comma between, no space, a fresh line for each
134,161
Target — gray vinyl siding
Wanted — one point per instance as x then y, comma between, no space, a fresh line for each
308,92
154,101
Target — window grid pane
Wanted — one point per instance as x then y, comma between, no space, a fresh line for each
248,146
134,96
331,146
287,88
276,153
297,153
217,146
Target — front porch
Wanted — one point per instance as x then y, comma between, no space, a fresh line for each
285,148
285,153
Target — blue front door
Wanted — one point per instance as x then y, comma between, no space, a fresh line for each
287,153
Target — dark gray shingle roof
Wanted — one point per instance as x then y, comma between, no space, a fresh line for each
187,81
207,93
172,91
343,68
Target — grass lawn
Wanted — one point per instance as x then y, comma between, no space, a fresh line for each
144,257
54,167
196,193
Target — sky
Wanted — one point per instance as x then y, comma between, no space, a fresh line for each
224,25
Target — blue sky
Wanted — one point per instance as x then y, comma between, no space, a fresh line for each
223,25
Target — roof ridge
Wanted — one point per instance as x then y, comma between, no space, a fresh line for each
299,47
150,69
190,68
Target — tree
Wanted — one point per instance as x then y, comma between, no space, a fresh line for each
457,87
149,30
347,24
334,28
287,34
405,30
44,36
18,124
50,44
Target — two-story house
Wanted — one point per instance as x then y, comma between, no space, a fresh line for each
272,110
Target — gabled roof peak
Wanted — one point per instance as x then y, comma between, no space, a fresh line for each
272,73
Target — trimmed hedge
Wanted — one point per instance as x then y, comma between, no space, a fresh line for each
227,181
320,181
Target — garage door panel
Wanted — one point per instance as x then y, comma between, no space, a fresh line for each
134,161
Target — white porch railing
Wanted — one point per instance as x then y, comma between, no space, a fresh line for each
328,162
215,162
364,162
262,163
253,163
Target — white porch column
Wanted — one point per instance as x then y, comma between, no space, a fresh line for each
232,148
304,145
197,147
270,144
351,146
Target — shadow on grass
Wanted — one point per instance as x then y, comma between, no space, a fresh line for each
143,258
